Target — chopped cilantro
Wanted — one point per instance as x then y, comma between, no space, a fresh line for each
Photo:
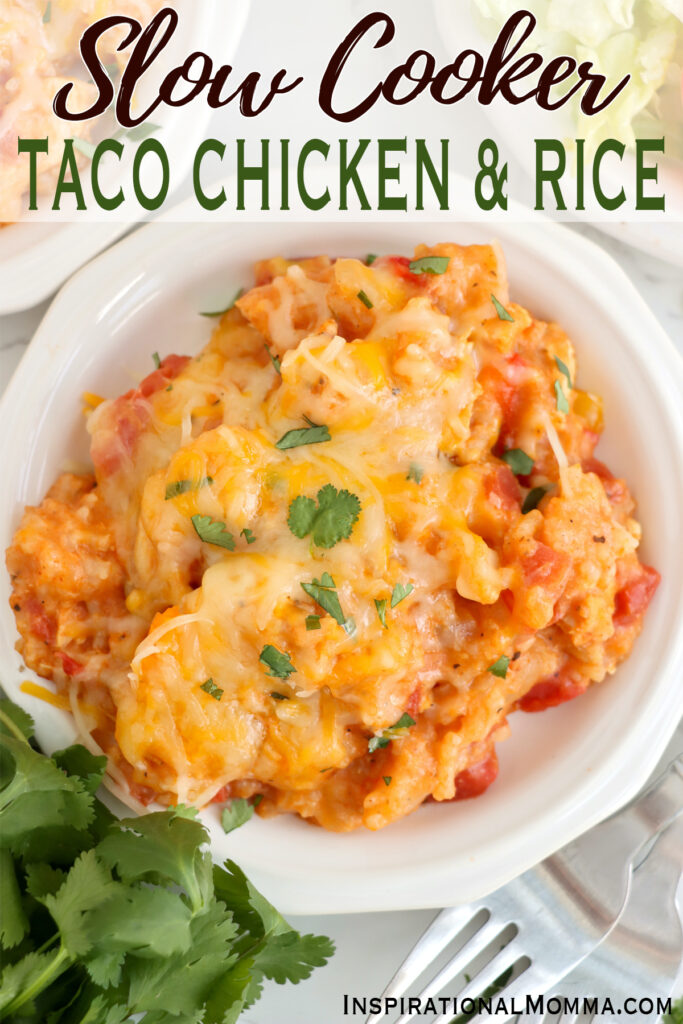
370,259
381,607
275,360
213,691
500,667
220,312
236,814
248,536
304,435
387,780
313,622
280,664
563,368
331,521
400,593
156,360
415,473
430,265
365,300
383,739
501,310
212,531
47,13
562,403
533,499
85,147
178,487
279,696
326,597
519,462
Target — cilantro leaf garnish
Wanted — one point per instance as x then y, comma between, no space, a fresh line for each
237,813
219,312
331,521
563,368
367,302
280,664
415,473
326,598
156,359
248,535
533,499
178,487
381,607
500,667
47,13
275,360
430,265
303,436
213,691
370,259
400,593
519,462
501,310
383,739
387,780
562,403
211,531
313,622
279,696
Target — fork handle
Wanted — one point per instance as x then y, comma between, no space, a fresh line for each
655,808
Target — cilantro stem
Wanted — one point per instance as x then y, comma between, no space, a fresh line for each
56,967
14,729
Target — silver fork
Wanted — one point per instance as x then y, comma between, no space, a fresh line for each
576,895
641,958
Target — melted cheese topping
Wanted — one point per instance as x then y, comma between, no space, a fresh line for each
422,395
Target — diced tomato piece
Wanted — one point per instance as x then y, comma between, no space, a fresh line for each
550,693
70,665
508,599
413,706
599,468
222,795
400,266
545,567
42,624
632,601
476,780
502,489
170,368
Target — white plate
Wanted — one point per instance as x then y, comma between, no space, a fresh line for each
516,127
561,771
38,255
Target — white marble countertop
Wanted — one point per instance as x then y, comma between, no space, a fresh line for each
371,946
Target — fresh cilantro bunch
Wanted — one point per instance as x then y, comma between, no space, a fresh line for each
104,919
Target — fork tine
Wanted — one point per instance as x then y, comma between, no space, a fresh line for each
507,957
530,982
462,959
439,933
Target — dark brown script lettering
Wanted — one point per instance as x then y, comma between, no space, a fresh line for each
495,75
180,86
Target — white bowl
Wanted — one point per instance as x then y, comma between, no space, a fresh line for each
42,251
562,771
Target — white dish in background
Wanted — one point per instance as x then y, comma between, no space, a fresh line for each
515,128
561,771
38,255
